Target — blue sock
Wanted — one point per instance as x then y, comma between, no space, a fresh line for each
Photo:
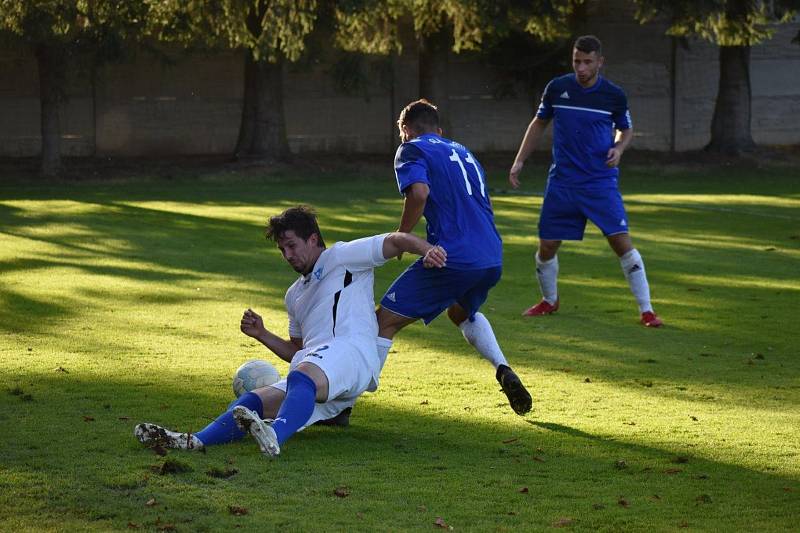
224,428
297,407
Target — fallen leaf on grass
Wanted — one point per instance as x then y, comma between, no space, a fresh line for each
703,498
624,503
563,522
422,509
621,464
88,418
679,459
167,527
132,525
509,441
123,418
693,418
788,489
538,459
587,380
235,510
151,502
61,369
342,492
598,506
424,402
673,471
523,490
439,522
512,513
683,524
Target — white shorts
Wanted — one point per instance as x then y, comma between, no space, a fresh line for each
350,365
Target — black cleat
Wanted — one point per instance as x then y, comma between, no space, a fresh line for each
518,396
340,420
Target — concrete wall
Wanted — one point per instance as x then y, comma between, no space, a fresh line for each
192,105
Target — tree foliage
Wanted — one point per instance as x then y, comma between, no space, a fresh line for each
269,30
724,22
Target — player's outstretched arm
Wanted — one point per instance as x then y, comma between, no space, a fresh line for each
531,139
252,325
398,243
414,206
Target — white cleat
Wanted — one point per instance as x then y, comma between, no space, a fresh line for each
153,435
249,421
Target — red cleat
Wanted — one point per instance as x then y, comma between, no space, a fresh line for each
542,308
650,320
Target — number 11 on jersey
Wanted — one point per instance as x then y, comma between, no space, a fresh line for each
469,159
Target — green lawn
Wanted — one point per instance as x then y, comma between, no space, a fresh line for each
120,301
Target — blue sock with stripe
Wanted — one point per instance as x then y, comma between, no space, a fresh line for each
224,428
297,407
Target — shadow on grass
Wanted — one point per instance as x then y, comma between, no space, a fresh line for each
400,466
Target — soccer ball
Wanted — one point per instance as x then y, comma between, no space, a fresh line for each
254,374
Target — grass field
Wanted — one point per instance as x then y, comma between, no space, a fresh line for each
120,301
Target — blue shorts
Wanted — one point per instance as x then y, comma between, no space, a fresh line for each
565,211
424,293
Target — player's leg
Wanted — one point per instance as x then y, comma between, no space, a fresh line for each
305,385
479,333
221,431
606,210
559,220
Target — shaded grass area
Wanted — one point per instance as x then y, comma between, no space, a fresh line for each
120,301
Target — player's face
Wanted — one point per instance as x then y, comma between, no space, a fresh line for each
586,66
301,255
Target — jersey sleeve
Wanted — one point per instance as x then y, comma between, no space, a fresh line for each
545,110
622,115
294,326
410,166
360,254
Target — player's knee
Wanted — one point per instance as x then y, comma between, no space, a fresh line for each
457,314
319,378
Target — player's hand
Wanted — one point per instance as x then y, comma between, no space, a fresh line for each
613,157
252,324
513,175
435,257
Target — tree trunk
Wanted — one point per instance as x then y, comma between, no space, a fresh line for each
50,61
433,50
730,128
262,132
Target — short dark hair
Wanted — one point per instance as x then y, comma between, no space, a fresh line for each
302,220
421,116
588,44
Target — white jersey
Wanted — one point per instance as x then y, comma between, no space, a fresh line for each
336,299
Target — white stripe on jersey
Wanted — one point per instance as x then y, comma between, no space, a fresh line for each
584,109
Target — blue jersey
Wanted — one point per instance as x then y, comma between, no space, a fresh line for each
583,130
458,211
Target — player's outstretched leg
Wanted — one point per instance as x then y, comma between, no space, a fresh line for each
251,422
153,435
518,396
220,431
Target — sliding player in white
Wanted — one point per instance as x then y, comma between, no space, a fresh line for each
332,334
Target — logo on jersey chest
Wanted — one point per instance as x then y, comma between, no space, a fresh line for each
565,95
318,273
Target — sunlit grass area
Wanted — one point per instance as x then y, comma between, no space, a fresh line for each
120,302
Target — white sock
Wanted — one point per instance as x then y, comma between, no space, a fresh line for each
633,268
547,274
383,345
480,335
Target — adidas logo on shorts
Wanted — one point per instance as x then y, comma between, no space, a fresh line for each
391,297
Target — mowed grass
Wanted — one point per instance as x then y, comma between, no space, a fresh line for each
120,302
